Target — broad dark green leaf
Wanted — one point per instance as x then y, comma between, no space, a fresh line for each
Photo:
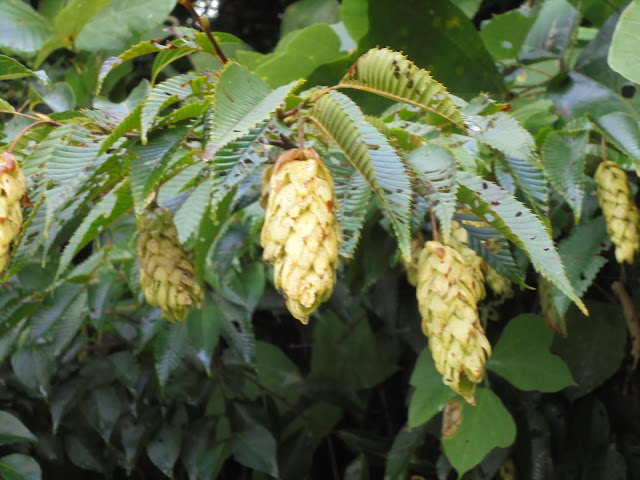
551,32
131,436
84,452
103,408
33,367
22,29
63,398
522,356
17,466
349,352
164,448
354,16
594,348
430,394
277,372
402,451
597,11
505,34
121,23
482,428
237,328
12,430
255,447
303,13
623,58
203,330
466,69
189,216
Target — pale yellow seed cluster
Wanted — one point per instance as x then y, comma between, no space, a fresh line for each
301,235
619,210
417,244
13,186
166,275
448,293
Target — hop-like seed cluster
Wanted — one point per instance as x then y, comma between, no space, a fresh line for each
447,294
301,235
474,262
417,244
552,317
12,189
619,210
166,275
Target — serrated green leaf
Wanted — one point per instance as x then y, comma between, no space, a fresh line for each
430,394
530,179
370,153
255,447
22,29
580,254
32,366
436,165
105,212
518,225
502,132
12,430
190,110
129,123
243,101
237,161
522,356
237,328
622,57
170,347
103,408
161,96
482,428
353,194
203,330
189,217
17,466
392,75
564,159
148,163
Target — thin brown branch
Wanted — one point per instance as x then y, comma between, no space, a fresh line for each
434,223
205,28
631,317
23,131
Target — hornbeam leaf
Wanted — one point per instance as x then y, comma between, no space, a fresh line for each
369,152
519,225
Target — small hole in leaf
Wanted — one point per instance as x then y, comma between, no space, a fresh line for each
628,91
236,325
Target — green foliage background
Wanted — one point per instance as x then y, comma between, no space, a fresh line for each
123,99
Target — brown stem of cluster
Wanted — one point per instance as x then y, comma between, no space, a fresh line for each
205,28
631,317
434,223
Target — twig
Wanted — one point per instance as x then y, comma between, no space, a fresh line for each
631,318
23,131
334,464
300,126
205,28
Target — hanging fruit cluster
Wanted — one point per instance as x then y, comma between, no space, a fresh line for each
619,210
301,235
166,274
12,189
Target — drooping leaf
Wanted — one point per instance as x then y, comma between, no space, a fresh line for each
22,29
237,161
519,225
564,158
164,448
353,194
403,449
161,96
522,356
392,75
189,217
105,212
622,58
580,254
243,101
430,394
369,152
12,430
436,166
170,347
277,372
237,328
102,408
148,163
551,32
481,429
